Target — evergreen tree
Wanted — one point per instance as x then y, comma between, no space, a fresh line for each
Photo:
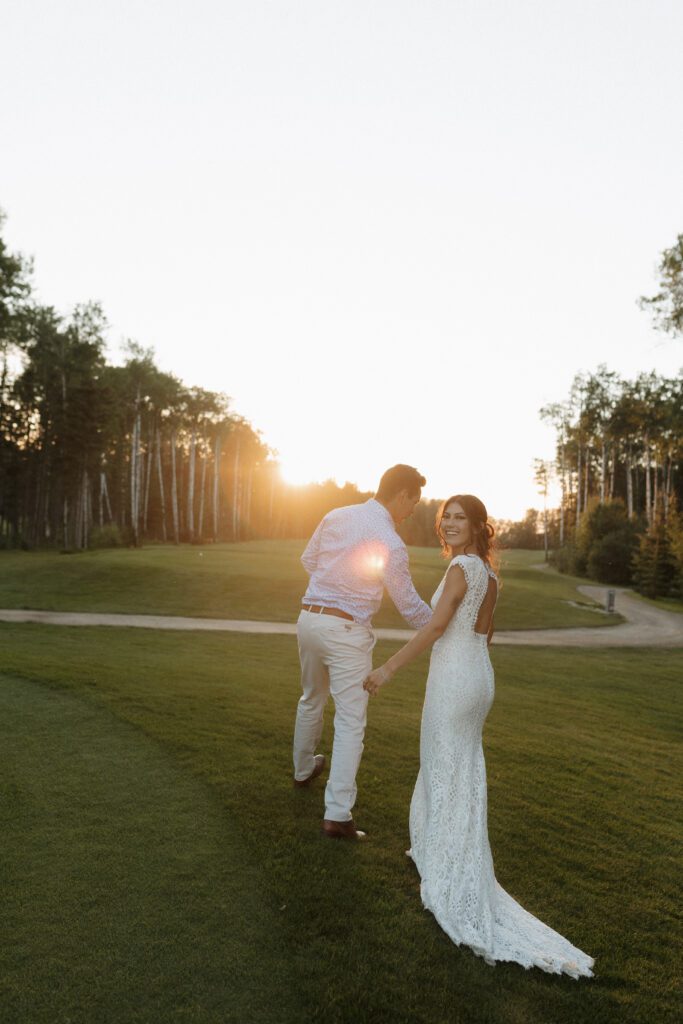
674,529
654,573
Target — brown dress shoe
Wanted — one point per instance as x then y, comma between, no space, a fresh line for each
319,760
342,830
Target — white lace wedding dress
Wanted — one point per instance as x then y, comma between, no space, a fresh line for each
448,827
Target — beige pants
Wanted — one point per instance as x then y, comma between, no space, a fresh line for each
336,656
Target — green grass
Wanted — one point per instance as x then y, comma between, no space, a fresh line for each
161,867
255,580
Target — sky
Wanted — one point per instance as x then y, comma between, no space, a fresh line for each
391,231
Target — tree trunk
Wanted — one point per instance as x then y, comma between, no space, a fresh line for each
78,521
629,482
84,511
200,525
603,471
85,498
578,487
216,472
122,488
104,494
563,491
272,502
667,486
190,485
162,500
174,490
613,470
648,486
235,493
247,497
135,474
149,469
47,527
182,509
138,484
133,478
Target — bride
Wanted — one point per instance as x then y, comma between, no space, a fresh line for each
448,827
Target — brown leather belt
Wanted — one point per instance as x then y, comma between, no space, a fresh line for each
319,610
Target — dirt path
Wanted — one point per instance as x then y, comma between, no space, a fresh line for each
645,625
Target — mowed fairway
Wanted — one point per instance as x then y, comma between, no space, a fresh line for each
261,580
159,867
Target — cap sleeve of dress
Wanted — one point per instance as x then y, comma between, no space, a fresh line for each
469,565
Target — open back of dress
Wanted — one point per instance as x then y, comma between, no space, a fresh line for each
484,623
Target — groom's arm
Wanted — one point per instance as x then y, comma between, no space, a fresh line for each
402,592
309,559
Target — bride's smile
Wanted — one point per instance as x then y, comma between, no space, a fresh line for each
455,527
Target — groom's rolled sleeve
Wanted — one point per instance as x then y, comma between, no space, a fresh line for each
400,588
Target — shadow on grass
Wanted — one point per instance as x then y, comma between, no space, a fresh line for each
129,894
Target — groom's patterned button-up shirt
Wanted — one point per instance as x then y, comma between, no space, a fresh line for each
354,553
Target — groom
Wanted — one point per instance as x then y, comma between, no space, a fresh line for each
354,553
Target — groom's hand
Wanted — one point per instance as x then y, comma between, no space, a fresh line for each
376,680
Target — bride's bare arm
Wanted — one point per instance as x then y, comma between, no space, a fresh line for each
451,596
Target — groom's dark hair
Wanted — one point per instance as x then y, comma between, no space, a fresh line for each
399,478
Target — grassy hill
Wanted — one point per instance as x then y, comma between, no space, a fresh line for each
255,580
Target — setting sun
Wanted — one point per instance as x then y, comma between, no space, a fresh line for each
296,474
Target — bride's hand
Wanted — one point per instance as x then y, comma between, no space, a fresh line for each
376,680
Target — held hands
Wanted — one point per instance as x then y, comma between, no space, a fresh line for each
377,679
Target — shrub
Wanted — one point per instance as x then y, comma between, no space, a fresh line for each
604,547
105,537
567,560
610,558
606,542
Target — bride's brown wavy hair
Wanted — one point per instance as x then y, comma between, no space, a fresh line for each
483,533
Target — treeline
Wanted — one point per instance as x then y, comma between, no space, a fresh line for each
618,439
532,532
93,454
618,466
96,454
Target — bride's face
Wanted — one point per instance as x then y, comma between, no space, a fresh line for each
455,526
